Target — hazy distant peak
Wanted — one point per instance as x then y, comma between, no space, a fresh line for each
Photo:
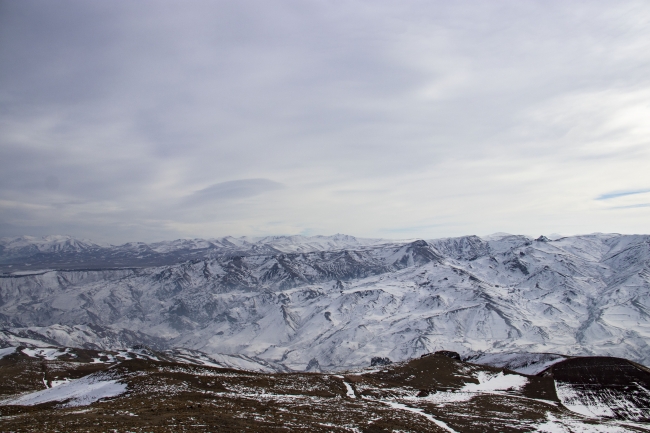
497,236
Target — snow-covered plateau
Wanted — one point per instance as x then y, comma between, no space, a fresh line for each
332,303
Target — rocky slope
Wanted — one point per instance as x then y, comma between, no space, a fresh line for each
73,390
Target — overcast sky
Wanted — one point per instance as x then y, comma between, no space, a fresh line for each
151,120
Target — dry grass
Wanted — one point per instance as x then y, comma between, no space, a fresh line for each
172,397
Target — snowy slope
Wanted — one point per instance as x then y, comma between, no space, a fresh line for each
76,392
27,246
339,306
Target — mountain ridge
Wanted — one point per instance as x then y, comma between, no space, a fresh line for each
579,295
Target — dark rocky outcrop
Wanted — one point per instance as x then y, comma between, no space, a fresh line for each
377,360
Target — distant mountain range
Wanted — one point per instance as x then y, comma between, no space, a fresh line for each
333,302
59,252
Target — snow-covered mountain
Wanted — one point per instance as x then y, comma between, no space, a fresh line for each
336,302
27,246
65,252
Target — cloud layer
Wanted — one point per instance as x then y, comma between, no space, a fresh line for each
233,190
161,119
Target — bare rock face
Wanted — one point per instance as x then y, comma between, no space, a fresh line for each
313,365
448,354
378,360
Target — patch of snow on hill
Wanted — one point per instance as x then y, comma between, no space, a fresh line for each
575,401
77,392
495,382
6,351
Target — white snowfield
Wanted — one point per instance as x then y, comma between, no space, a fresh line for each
78,392
496,382
353,299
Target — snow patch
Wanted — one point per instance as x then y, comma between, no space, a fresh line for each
495,382
7,351
350,391
47,353
78,392
579,403
444,397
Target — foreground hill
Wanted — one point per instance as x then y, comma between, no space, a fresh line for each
331,303
66,389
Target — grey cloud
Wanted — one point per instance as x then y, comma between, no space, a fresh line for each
73,173
234,189
129,105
